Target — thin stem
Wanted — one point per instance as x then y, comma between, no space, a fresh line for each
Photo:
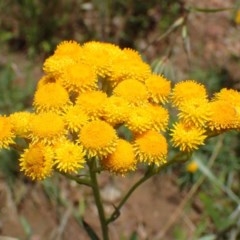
97,197
82,181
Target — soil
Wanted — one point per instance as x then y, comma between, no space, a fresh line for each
35,211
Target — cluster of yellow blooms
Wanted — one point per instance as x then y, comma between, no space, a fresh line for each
99,101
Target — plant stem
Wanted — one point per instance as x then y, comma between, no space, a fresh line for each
97,197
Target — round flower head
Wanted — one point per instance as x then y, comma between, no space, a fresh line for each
92,103
151,147
159,117
55,65
70,49
116,110
75,118
223,116
37,162
187,138
47,128
195,112
228,95
139,120
187,90
158,88
78,78
99,56
69,157
122,160
192,167
132,90
98,138
126,66
20,122
51,97
6,132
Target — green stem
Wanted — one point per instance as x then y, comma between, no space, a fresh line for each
82,181
97,197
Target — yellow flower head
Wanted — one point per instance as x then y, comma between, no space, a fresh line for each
47,128
122,160
187,90
132,90
69,49
37,162
99,56
195,112
20,122
69,157
78,78
159,117
151,147
92,103
237,17
55,65
98,138
192,167
6,132
223,116
139,120
158,88
75,118
228,95
187,138
116,110
126,66
51,97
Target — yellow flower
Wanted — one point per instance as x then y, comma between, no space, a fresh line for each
159,117
98,138
99,56
51,97
92,103
187,138
122,160
20,122
37,161
126,66
132,90
192,167
47,127
158,88
228,95
187,90
237,17
75,118
69,157
116,110
78,78
6,132
195,112
55,65
139,120
151,147
223,116
69,49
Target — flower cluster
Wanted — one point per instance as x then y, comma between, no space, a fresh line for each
99,101
200,117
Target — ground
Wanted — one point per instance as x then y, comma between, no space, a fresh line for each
28,209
